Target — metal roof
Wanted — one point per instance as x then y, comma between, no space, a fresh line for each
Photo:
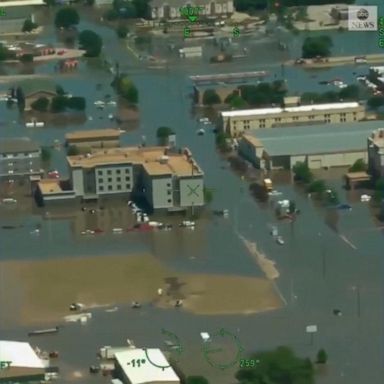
17,145
301,108
20,354
315,139
149,373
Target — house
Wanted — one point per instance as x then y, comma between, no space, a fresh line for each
170,9
165,179
159,373
319,146
35,89
376,153
13,18
19,157
25,364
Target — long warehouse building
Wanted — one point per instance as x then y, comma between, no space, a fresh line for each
236,122
323,146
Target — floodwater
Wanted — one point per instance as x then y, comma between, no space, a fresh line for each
322,267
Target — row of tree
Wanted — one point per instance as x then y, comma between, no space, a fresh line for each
59,103
351,92
90,41
259,95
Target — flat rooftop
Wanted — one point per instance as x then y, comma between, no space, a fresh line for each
49,186
93,134
21,354
17,145
149,374
314,139
301,108
153,160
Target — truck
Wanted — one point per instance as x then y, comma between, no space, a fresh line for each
268,185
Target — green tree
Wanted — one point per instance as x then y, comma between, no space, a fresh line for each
310,97
210,97
358,166
351,92
66,17
58,104
208,197
76,103
46,154
317,46
90,2
302,172
280,366
164,132
27,58
50,3
196,380
142,8
379,189
375,102
111,15
60,90
317,186
221,142
4,52
73,150
236,101
322,357
28,26
91,42
127,89
41,104
122,31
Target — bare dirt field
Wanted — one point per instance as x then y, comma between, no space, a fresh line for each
43,290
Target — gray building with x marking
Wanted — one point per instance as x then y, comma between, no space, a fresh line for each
167,179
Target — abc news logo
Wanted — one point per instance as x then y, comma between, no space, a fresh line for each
362,18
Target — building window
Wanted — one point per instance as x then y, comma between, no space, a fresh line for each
169,185
118,179
109,179
109,187
127,178
100,181
169,192
169,201
101,188
118,171
128,186
126,170
100,173
119,187
109,172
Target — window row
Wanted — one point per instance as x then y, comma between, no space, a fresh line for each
110,187
118,179
101,172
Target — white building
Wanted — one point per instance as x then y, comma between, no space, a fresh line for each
170,9
236,122
133,367
24,363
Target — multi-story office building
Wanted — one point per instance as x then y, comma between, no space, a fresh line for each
170,9
236,122
19,157
376,153
165,179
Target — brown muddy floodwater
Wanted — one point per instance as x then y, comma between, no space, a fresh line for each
41,291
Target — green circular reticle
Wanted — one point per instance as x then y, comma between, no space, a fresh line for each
209,351
174,346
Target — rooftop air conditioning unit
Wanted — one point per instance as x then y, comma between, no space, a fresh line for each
164,159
